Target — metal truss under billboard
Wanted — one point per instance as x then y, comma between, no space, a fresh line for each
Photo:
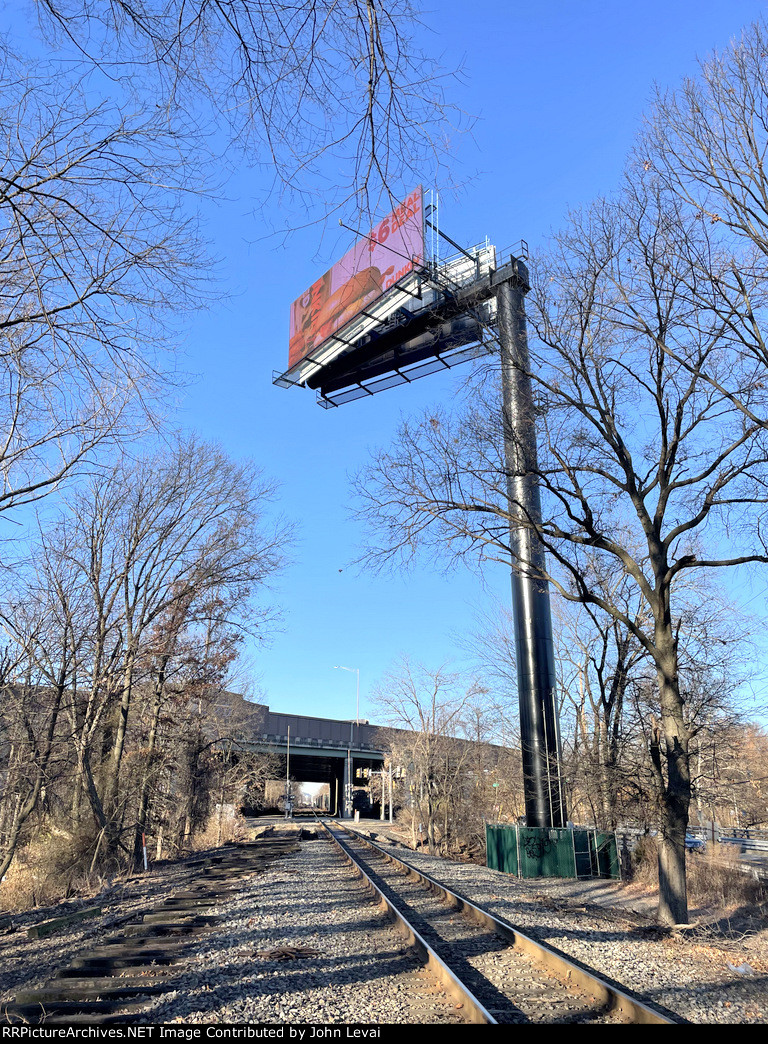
353,294
435,316
449,321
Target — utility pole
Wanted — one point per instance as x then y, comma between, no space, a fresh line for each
534,649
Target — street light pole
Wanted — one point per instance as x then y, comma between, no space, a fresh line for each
353,670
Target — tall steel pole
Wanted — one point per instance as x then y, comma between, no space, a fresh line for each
539,726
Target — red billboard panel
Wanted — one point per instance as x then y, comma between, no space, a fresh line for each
364,274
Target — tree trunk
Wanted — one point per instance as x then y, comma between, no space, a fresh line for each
605,775
221,815
673,890
86,775
111,801
431,841
30,803
9,804
141,823
77,795
113,775
676,798
699,778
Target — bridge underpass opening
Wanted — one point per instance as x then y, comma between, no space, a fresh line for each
342,779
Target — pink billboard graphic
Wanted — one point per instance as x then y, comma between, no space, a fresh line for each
364,274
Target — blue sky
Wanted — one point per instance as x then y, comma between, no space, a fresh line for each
558,89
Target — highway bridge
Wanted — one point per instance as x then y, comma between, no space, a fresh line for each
310,749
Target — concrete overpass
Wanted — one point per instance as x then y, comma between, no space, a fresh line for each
312,749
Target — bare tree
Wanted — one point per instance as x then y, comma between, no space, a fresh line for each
193,746
192,525
428,705
598,657
706,143
45,621
645,466
739,781
441,737
144,588
323,93
707,138
96,253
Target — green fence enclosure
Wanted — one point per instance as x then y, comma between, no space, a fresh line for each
539,852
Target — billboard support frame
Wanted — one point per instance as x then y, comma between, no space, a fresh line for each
458,309
451,302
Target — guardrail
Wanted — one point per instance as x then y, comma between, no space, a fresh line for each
759,873
742,833
312,741
748,844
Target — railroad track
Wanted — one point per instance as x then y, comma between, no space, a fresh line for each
497,973
493,972
112,982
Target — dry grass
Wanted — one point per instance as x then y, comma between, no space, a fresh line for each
714,879
56,867
222,826
713,876
48,870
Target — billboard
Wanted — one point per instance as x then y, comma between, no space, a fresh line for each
373,266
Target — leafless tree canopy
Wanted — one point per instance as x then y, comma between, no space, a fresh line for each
447,787
97,262
708,137
333,97
121,632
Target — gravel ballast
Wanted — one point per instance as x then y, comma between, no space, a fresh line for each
344,963
687,972
359,971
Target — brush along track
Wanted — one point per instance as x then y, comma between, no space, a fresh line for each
500,974
113,982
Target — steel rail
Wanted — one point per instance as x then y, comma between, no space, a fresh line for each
613,998
473,1010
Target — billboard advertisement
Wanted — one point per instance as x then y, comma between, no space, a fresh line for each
365,273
